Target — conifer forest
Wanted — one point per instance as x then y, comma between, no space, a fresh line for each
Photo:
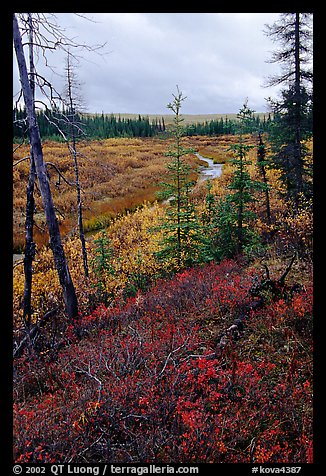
162,269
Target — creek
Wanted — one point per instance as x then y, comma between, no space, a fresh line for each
206,173
212,171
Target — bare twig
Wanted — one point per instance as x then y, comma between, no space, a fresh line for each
21,160
19,145
286,272
17,263
39,227
60,213
267,271
169,356
89,374
72,184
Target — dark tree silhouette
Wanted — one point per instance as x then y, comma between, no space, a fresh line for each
293,112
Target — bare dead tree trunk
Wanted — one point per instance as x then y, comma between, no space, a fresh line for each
73,151
40,168
29,222
29,244
261,159
80,213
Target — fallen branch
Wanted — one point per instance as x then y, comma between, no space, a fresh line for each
286,272
273,286
72,184
258,289
17,263
21,160
31,333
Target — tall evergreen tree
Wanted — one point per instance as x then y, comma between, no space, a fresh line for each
234,216
180,227
293,111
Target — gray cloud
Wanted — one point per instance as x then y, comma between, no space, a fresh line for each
217,60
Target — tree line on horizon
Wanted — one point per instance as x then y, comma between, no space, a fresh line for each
96,126
225,126
107,126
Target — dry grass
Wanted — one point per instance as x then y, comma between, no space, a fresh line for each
115,175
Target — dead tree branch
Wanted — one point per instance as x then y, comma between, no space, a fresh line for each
31,334
21,160
286,272
72,184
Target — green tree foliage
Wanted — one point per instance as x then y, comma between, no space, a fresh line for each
137,280
262,164
209,223
181,228
242,187
104,126
227,126
230,229
102,265
97,126
293,111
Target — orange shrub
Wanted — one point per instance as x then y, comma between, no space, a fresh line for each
115,175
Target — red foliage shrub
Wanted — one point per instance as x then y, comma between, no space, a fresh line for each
144,383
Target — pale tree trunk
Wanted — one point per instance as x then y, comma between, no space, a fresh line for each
41,172
73,151
80,211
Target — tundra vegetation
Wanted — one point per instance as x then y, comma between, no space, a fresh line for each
193,340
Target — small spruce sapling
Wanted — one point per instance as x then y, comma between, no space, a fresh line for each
181,228
102,266
235,217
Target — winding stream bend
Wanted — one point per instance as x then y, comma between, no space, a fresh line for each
210,172
206,173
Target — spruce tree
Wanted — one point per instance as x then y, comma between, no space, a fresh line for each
209,226
293,111
102,266
181,229
234,216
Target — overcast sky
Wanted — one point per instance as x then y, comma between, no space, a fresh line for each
217,60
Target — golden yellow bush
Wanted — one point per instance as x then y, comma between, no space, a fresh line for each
134,242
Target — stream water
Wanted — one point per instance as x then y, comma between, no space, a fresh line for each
206,173
210,172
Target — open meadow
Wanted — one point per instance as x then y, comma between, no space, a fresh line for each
115,175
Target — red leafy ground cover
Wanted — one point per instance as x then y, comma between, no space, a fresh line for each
149,381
